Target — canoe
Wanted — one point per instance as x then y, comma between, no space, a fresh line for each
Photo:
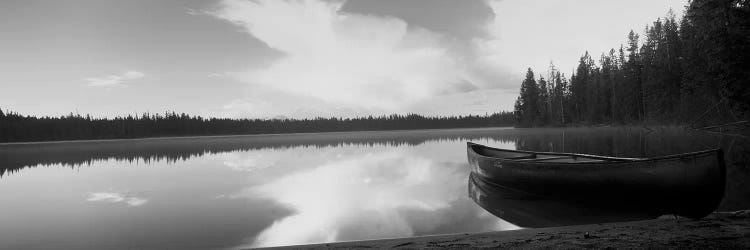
532,211
689,185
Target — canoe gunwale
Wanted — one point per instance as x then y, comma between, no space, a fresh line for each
606,159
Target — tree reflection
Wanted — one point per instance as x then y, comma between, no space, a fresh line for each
14,157
621,141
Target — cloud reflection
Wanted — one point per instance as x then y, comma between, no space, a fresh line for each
361,196
114,197
249,162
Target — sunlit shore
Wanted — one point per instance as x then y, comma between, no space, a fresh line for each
720,230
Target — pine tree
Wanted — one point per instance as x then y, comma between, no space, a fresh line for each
526,107
679,68
543,101
716,40
580,90
632,68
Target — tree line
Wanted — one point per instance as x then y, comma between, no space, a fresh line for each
673,72
15,127
14,158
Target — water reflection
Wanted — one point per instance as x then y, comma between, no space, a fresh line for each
362,192
528,210
16,156
625,142
115,197
255,160
333,200
226,192
290,194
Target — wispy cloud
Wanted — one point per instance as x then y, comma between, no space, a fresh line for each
114,80
224,74
115,197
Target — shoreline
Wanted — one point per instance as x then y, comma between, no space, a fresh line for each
245,135
302,133
720,230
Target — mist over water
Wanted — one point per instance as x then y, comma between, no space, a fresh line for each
247,191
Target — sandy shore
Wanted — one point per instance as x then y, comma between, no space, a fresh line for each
726,230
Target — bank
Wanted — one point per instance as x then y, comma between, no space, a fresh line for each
720,230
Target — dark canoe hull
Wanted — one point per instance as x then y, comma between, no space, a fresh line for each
530,211
690,185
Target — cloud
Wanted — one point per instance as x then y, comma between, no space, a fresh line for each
339,58
393,192
463,19
372,64
114,197
114,80
253,160
269,103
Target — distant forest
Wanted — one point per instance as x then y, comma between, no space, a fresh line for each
19,128
679,71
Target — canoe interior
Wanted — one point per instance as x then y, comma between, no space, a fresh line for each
551,157
534,157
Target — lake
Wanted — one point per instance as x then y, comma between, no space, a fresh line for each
271,190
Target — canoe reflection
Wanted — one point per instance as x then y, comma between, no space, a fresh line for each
528,210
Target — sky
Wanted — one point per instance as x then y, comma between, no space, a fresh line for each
296,58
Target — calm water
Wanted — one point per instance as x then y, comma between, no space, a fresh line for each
248,191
